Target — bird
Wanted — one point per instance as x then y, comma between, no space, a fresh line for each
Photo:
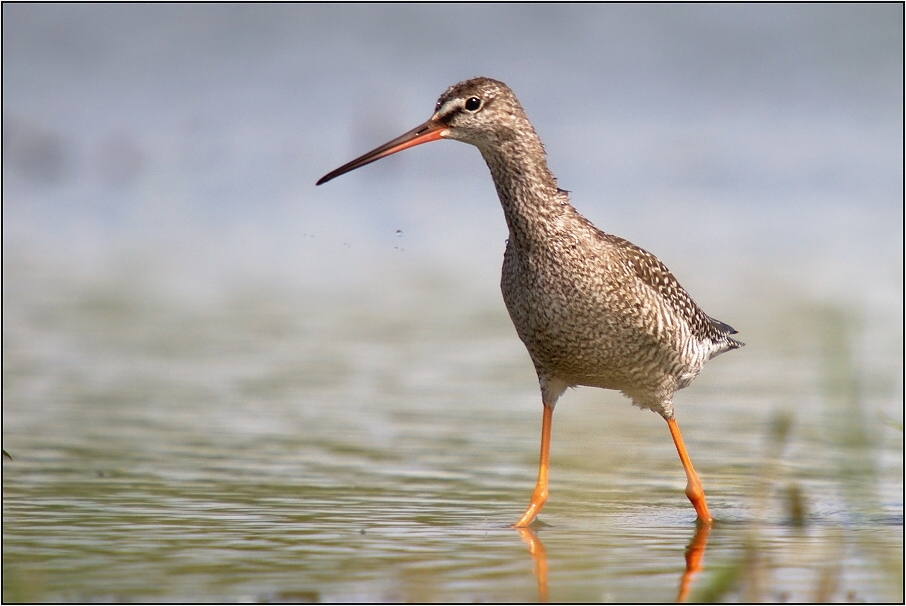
591,308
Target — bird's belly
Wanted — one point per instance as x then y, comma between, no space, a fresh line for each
589,330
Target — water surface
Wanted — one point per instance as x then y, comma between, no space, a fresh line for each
284,446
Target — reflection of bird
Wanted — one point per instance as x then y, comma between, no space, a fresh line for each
592,308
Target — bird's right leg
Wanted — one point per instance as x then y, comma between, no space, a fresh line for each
539,496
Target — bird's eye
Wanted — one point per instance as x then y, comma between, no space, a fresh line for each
473,104
437,105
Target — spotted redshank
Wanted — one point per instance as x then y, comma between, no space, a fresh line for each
591,308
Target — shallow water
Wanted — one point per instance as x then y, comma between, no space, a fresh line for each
304,446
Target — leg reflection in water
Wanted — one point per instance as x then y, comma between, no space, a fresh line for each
695,553
539,559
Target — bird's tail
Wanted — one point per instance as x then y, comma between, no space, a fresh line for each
725,343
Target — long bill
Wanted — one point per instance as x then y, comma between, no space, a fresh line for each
427,132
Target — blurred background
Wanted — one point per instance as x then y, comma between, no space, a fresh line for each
189,137
176,291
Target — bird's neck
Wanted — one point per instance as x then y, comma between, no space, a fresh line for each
532,203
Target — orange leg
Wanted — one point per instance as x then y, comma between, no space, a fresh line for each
694,489
539,496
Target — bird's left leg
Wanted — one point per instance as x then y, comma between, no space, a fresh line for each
694,489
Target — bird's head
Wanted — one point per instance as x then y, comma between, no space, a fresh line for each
480,111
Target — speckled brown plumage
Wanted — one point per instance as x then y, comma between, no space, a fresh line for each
592,308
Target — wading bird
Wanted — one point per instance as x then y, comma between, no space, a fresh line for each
591,308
